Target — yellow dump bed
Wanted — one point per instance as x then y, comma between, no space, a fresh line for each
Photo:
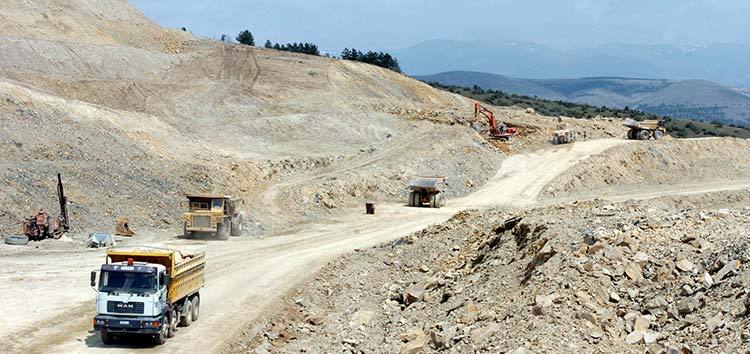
185,269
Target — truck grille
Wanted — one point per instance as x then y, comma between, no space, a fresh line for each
121,307
203,221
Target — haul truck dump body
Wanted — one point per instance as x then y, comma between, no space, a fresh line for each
147,291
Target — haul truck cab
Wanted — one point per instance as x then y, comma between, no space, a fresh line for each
147,292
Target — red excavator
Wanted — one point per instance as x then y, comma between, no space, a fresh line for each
501,132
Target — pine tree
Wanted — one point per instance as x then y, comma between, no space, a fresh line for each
268,44
246,37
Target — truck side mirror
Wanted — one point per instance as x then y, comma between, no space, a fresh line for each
93,278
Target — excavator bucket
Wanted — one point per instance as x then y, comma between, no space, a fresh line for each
123,229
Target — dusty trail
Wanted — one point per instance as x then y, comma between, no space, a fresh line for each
246,276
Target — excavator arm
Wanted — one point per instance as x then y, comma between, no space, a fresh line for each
497,131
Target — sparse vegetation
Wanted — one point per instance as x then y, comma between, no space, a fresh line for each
304,48
380,59
681,128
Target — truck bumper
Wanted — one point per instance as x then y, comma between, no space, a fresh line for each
128,325
201,229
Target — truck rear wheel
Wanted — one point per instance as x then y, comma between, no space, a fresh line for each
196,307
187,319
237,226
658,134
644,135
106,338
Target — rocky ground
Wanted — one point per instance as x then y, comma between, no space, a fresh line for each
660,276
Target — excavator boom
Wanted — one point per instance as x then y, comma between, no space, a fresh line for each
496,132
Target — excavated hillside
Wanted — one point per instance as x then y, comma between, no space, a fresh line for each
134,116
656,164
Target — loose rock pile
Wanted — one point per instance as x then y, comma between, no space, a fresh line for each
661,276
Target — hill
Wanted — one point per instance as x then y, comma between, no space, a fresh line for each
689,99
723,63
134,116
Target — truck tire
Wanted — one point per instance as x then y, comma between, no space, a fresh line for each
106,338
221,230
196,307
161,337
631,134
172,323
237,226
434,201
17,240
658,134
644,135
187,319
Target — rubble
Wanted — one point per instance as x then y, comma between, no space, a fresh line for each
643,290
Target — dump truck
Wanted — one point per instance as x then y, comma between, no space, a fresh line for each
215,215
644,130
564,135
427,190
147,291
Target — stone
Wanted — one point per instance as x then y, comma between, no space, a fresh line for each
687,305
634,337
545,301
715,322
634,272
424,269
728,269
650,337
588,317
481,334
413,294
641,323
685,265
417,345
708,281
438,341
686,290
655,348
362,318
314,319
614,297
520,350
470,313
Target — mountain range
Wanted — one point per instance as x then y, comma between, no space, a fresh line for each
688,99
727,64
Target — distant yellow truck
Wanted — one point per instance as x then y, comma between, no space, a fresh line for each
213,214
645,130
147,291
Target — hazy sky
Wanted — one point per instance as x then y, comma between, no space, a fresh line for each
395,24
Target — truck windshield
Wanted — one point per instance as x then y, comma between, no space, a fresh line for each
127,282
217,204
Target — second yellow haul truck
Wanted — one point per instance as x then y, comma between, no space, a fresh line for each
147,292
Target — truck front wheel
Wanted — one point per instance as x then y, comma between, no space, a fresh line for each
221,230
172,323
161,337
196,307
106,338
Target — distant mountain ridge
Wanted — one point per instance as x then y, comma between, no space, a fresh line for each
728,64
687,99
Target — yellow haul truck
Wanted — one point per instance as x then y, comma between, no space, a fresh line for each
147,291
215,215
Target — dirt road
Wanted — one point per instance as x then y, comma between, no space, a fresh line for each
245,276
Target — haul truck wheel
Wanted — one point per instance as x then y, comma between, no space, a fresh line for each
221,230
237,226
106,338
644,135
196,307
658,134
433,201
187,319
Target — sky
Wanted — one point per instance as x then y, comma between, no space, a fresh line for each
397,24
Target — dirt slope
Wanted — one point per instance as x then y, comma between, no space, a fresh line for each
134,116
